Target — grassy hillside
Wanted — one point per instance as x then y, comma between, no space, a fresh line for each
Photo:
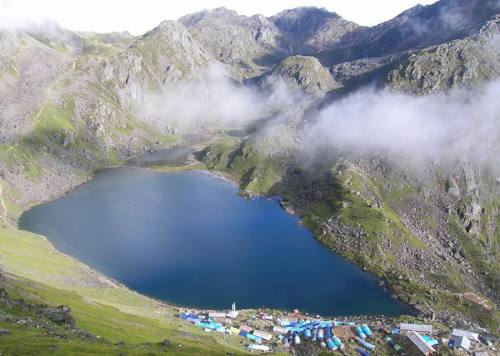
114,319
255,172
75,126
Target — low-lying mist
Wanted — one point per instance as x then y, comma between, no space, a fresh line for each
461,124
212,100
458,125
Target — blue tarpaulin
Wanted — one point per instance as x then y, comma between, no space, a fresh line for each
430,341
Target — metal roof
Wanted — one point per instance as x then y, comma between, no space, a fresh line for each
263,335
468,334
461,342
419,342
423,328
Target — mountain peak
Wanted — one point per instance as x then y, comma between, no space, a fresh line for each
306,11
223,11
313,29
303,19
168,25
416,28
169,29
216,13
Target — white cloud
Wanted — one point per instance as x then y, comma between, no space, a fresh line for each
210,100
457,125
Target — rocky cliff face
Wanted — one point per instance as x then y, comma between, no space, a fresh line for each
465,62
418,27
27,68
159,58
311,30
247,44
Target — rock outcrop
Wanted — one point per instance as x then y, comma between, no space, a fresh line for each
418,27
460,63
247,44
59,315
305,73
311,30
160,58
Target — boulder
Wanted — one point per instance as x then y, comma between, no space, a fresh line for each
59,315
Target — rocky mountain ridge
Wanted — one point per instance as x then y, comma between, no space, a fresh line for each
468,61
312,30
418,27
244,43
159,58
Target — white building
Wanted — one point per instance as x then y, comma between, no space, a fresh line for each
232,314
262,335
419,343
461,342
419,328
214,314
468,334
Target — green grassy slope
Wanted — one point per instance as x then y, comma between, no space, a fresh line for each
255,172
78,128
38,274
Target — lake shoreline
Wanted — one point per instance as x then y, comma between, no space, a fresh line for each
193,164
235,188
172,309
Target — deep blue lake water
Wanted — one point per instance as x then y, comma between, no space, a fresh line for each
189,238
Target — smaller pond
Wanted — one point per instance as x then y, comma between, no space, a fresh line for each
168,157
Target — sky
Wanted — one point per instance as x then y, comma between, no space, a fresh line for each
139,16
